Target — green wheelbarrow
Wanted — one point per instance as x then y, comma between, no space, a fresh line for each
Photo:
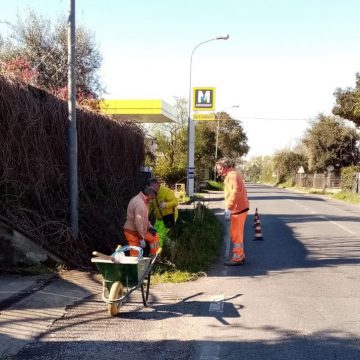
122,275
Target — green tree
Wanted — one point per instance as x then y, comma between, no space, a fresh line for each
232,141
253,169
286,164
261,168
329,141
43,46
171,154
348,102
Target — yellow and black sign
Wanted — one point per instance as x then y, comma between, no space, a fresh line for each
210,116
203,98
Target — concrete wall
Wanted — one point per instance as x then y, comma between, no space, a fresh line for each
18,250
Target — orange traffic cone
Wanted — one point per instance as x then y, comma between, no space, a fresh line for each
258,232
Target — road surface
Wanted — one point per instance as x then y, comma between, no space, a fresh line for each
297,296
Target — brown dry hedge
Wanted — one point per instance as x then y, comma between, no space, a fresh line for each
33,171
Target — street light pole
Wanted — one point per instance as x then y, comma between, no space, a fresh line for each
72,128
191,128
218,118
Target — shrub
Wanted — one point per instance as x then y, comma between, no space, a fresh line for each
215,185
194,243
348,176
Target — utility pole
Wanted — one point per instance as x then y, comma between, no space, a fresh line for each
72,129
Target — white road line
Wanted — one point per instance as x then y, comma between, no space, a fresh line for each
342,227
211,350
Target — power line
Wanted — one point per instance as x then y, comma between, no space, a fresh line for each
272,119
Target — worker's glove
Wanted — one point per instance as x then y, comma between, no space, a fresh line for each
142,243
152,231
227,214
162,205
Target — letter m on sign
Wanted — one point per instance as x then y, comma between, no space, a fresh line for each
203,99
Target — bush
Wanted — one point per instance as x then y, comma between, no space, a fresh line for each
348,197
348,176
34,191
194,243
215,185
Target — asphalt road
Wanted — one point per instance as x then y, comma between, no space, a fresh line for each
297,296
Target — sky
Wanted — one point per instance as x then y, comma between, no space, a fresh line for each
281,65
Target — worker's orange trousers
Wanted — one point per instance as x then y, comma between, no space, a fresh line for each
133,239
237,224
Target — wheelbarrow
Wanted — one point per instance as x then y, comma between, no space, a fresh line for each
124,274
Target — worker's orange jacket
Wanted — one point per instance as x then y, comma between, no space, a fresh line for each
236,199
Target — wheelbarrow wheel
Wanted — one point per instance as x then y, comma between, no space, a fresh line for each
116,292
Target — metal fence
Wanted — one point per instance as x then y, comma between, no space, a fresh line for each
318,181
322,181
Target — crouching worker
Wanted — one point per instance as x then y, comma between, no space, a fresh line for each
164,207
137,229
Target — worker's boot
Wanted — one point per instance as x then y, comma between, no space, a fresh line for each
235,261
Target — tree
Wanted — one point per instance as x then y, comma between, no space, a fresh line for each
232,141
34,41
329,141
171,154
260,168
287,163
171,157
253,169
348,103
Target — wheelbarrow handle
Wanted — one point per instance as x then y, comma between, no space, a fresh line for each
97,253
158,252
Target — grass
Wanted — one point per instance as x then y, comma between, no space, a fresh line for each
286,184
184,199
177,276
214,185
191,247
348,197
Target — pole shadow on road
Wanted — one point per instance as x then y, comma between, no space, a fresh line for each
158,310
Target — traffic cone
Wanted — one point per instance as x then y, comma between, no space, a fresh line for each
256,217
258,233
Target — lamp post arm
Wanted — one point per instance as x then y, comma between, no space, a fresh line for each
191,58
191,125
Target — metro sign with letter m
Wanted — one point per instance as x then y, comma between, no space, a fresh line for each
203,99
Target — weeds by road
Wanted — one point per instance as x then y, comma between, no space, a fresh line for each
190,247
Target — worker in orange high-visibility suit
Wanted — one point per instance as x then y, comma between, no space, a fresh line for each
237,207
137,229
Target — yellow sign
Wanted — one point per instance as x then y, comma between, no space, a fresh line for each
204,117
203,98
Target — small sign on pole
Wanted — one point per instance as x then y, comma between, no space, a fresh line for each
191,172
301,170
204,117
203,98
